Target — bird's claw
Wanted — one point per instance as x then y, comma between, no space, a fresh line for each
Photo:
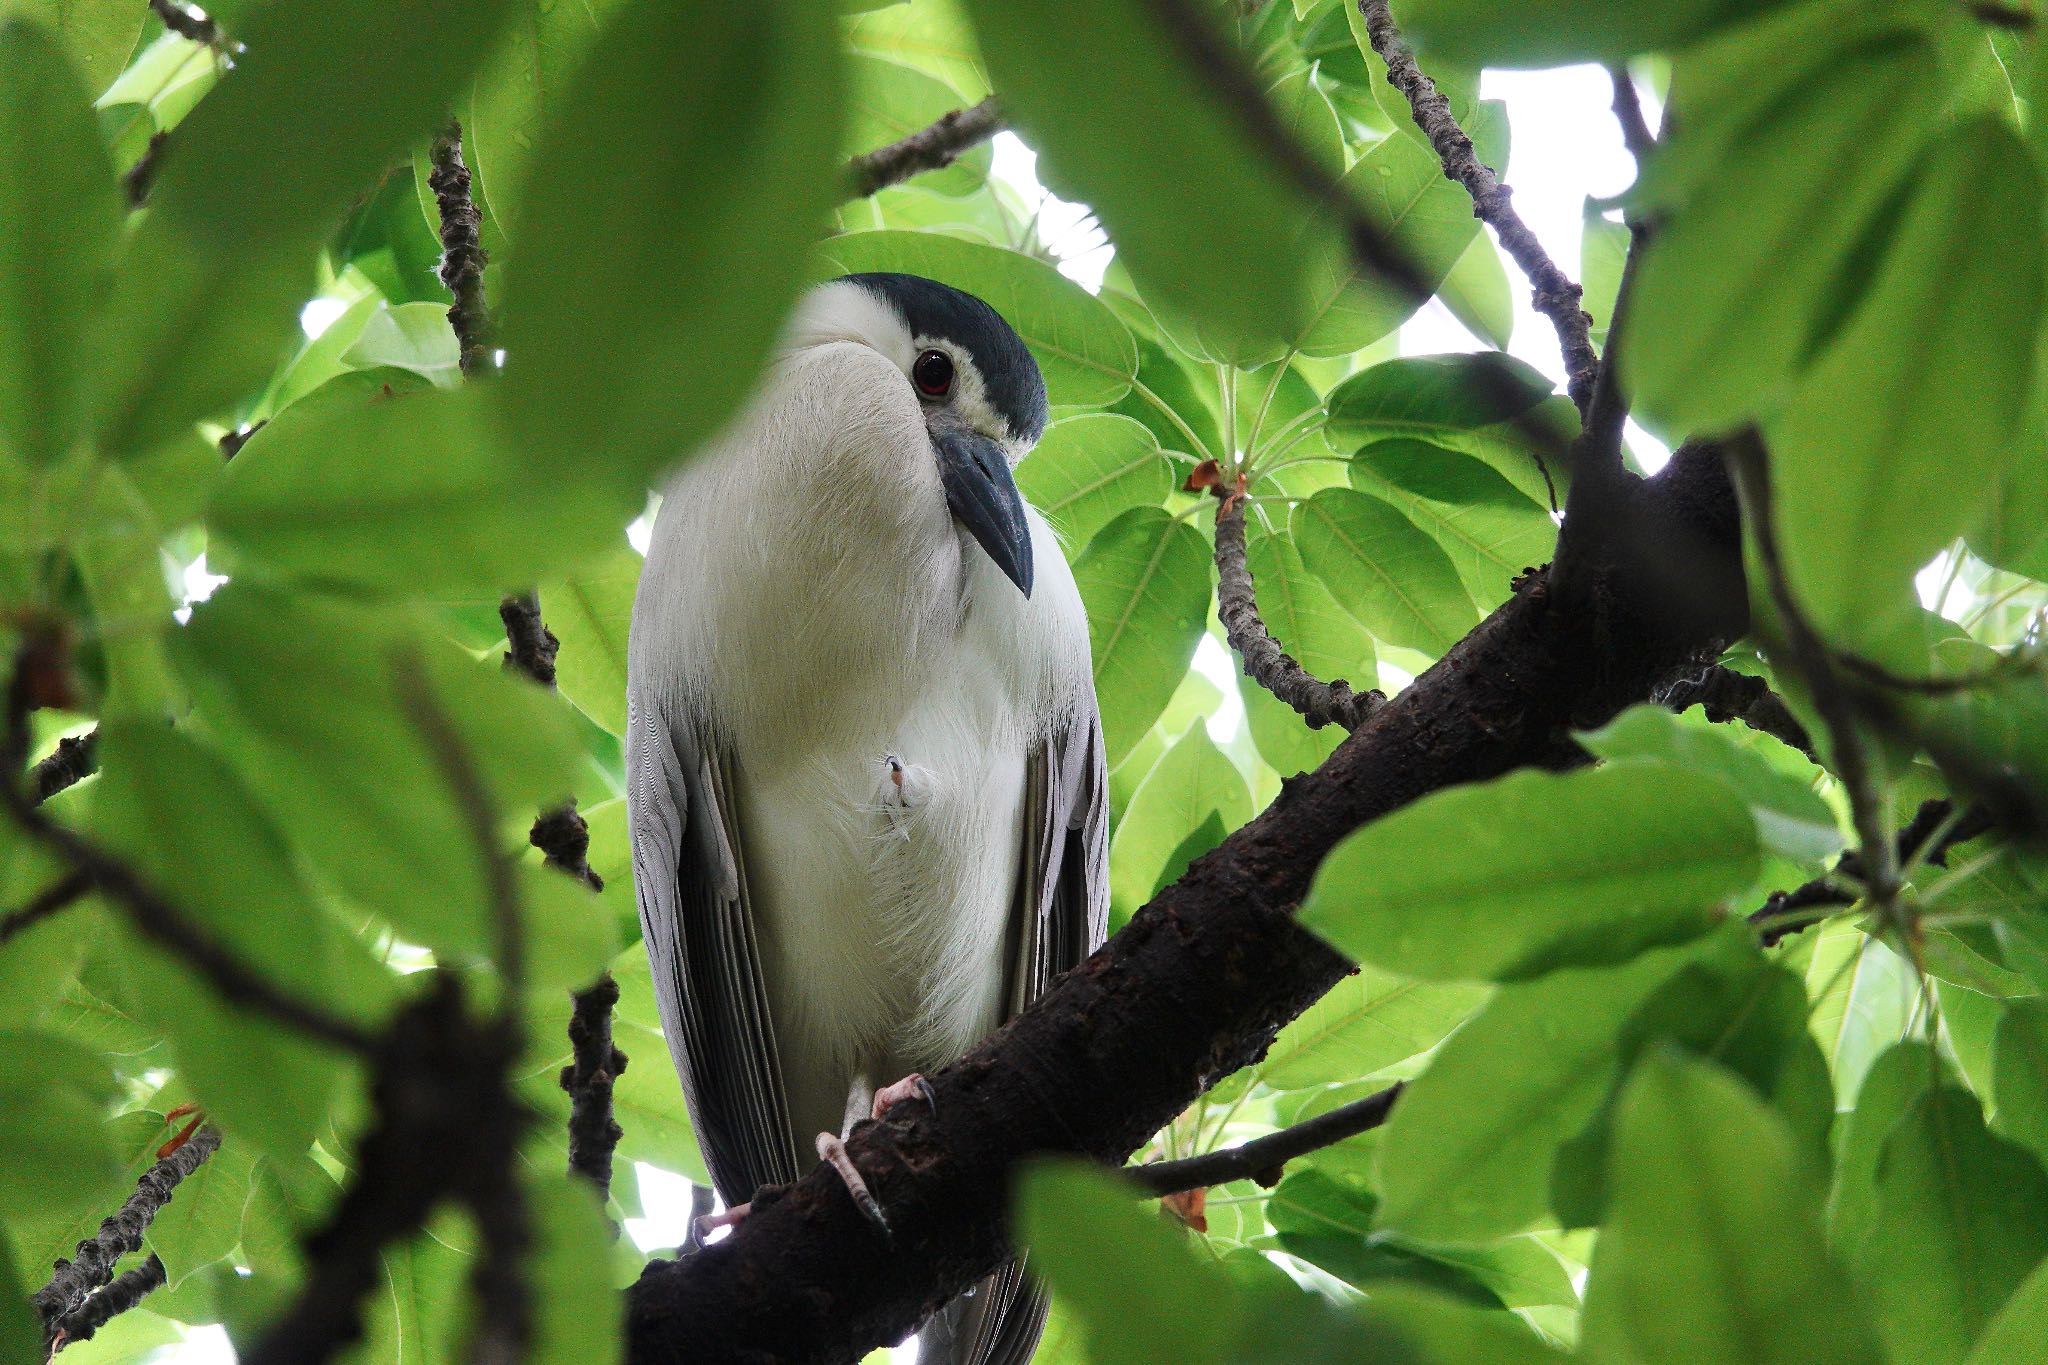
833,1153
913,1086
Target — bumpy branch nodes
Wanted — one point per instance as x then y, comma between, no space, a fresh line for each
129,1288
1935,827
1728,695
1265,662
75,758
462,254
79,1282
928,149
531,645
1556,295
1262,1158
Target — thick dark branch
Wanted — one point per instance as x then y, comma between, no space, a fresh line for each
66,890
531,645
446,1127
1728,695
129,1288
1197,984
462,253
1556,295
75,758
928,149
1779,916
1265,662
92,1264
1262,1157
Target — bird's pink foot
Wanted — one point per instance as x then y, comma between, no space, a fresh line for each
709,1223
911,1087
833,1153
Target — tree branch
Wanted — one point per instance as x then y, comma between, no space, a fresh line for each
1197,984
1778,918
462,253
188,23
92,1265
1265,662
928,149
1556,295
1262,1157
66,890
1728,695
129,1288
1628,112
75,758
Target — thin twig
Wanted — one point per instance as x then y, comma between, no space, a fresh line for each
2009,666
1556,295
462,253
64,891
1728,695
930,148
137,179
75,758
1628,112
1265,662
188,23
1262,1157
1778,917
92,1264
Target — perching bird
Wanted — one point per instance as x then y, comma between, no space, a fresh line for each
864,759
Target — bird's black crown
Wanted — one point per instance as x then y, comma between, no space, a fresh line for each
1009,375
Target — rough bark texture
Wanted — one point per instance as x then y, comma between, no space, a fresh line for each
1198,983
927,149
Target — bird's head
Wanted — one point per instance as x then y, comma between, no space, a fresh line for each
981,393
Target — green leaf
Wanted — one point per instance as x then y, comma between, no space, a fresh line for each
1889,1085
2015,1335
1086,470
1383,569
1092,1241
410,336
1478,294
1490,529
1416,395
1552,870
1139,133
591,611
1961,1218
60,216
303,693
2019,1074
1145,582
1888,448
196,835
1713,1249
412,495
202,1223
1791,819
522,88
55,1156
21,1334
1366,1023
932,36
1191,785
1467,1155
1603,250
1086,354
1557,32
97,34
1864,995
570,1271
1330,1225
694,144
1441,1331
1731,294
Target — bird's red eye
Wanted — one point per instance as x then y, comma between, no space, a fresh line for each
932,372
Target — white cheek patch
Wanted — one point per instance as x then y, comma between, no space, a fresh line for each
970,399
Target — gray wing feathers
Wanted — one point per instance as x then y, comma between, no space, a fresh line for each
700,940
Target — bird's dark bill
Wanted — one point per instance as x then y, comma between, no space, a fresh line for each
985,500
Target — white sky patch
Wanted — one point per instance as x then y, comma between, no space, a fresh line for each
197,584
1069,230
1219,666
317,316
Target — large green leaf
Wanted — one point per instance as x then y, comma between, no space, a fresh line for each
1734,291
59,218
1202,212
187,823
931,35
1086,470
1145,582
21,1335
2019,1074
1092,1242
1366,1022
1961,1218
203,1221
99,35
55,1154
1467,1155
1085,353
591,611
412,494
663,222
1551,870
1556,32
1383,569
1890,446
888,101
1417,395
1192,783
1491,530
1713,1250
522,88
2015,1335
304,693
